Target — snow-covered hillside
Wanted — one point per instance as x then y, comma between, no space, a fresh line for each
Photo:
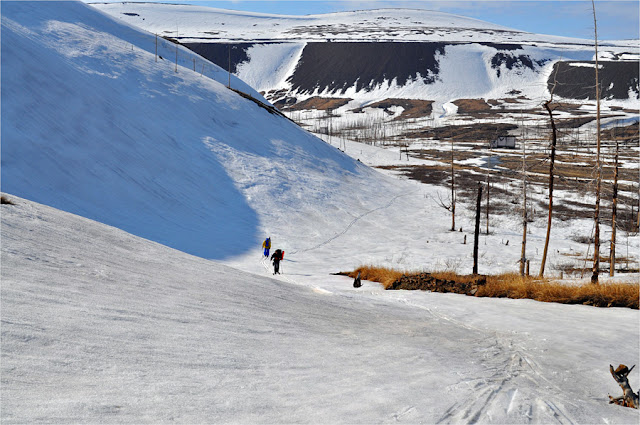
367,56
92,124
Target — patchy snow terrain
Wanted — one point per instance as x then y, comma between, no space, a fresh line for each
369,55
121,168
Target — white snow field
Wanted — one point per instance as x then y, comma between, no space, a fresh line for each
99,326
137,187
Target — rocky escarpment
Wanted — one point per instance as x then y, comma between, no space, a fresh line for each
576,80
335,67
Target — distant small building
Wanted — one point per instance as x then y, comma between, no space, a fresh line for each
504,142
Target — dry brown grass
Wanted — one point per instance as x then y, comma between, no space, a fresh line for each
512,285
382,275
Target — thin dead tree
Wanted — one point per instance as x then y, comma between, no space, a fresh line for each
453,192
489,165
523,252
614,210
596,218
554,138
476,235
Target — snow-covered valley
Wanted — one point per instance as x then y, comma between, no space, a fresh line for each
134,288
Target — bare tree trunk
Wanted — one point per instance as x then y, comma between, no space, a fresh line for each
596,243
523,253
551,165
614,211
488,189
453,193
477,231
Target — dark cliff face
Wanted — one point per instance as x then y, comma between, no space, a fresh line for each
335,67
222,55
512,61
338,66
578,82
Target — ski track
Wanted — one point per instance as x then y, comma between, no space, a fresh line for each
499,389
504,366
354,221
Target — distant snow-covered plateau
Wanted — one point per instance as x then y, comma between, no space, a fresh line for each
366,56
142,179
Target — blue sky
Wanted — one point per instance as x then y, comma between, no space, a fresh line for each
616,19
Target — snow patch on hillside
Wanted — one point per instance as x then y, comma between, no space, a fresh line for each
278,61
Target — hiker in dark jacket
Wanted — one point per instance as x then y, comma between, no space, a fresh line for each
277,256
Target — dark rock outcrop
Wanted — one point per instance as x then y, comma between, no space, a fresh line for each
576,80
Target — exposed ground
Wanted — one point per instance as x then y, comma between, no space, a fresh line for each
467,137
413,108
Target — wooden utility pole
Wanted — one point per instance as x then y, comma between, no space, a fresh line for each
614,210
596,243
477,231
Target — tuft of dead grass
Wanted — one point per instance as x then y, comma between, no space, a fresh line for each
383,275
512,285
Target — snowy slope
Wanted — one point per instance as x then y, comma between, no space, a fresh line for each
92,124
99,326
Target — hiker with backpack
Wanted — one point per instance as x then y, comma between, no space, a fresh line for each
267,246
277,256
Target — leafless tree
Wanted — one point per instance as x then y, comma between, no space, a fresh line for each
554,138
596,219
523,253
488,188
477,230
614,210
453,192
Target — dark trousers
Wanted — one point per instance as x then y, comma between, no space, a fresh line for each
276,266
